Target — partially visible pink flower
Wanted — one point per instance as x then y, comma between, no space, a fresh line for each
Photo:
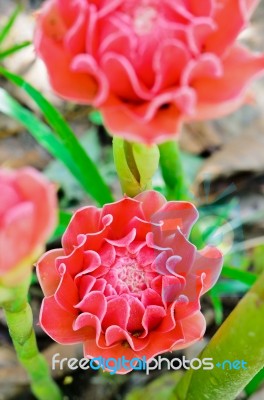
148,65
127,281
27,218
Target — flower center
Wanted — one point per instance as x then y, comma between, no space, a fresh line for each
144,19
131,275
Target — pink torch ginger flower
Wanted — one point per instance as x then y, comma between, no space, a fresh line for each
27,218
127,281
148,65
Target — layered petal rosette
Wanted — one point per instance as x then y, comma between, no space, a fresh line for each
127,282
148,65
28,206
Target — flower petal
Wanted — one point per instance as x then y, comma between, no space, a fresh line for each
58,323
112,317
47,272
93,303
85,220
208,261
237,11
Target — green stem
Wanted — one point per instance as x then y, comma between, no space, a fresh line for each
19,319
172,171
239,338
176,183
135,165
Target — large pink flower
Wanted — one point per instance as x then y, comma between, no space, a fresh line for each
148,64
127,281
27,217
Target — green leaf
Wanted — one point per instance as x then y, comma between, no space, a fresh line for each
89,175
218,308
240,337
63,222
191,165
243,276
229,288
258,257
159,389
96,117
41,132
14,49
8,26
172,171
253,385
72,192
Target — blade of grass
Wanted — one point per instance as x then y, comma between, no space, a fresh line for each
242,220
243,276
218,308
247,244
8,26
64,219
14,49
91,178
40,131
95,117
229,288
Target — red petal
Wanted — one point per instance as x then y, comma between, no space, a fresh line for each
171,288
128,86
122,211
135,315
125,241
117,313
58,323
193,329
34,187
66,294
9,195
47,272
73,261
208,261
76,86
93,303
226,88
117,351
85,283
84,63
114,335
150,298
201,8
153,317
85,220
151,202
16,236
107,254
168,72
122,121
176,214
237,11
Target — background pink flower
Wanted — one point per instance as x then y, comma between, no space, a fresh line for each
127,281
148,64
27,217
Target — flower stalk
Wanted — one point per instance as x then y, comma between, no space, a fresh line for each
172,171
135,164
19,319
239,338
